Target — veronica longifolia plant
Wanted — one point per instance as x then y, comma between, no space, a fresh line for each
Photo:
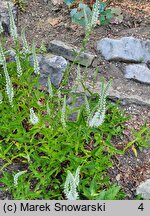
17,176
63,113
97,116
50,89
1,27
35,60
90,23
9,87
71,183
1,98
19,69
33,118
24,41
13,28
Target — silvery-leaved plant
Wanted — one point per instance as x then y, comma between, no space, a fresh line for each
13,28
1,27
9,87
16,176
33,118
97,115
35,60
70,186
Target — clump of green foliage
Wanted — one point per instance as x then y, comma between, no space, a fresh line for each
82,11
45,148
22,4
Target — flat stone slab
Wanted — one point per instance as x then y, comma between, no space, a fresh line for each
4,17
53,66
138,72
126,49
125,98
127,91
69,52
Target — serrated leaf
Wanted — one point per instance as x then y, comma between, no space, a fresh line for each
93,187
109,194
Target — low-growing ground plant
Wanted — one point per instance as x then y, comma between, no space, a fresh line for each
82,12
22,4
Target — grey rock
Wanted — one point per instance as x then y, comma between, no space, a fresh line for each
70,52
144,189
4,16
53,66
50,65
139,72
79,101
126,49
126,99
127,94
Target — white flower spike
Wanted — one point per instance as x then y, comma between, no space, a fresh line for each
35,60
1,27
71,184
19,69
13,28
96,118
33,118
9,87
17,176
24,41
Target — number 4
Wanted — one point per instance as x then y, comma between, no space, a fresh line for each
141,207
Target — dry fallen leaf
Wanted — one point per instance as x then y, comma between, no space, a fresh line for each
41,102
53,21
118,177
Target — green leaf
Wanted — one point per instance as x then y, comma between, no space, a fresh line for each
73,12
68,2
110,194
93,188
